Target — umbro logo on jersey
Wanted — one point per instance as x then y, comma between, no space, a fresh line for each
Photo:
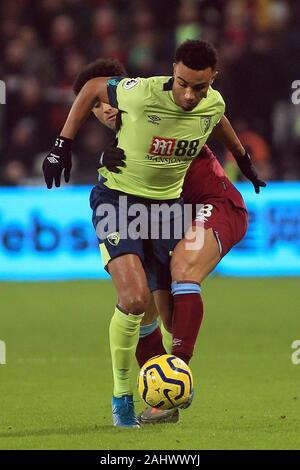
53,158
153,119
205,122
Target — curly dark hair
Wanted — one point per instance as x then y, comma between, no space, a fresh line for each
197,54
98,68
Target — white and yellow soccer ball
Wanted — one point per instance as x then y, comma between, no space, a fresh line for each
165,382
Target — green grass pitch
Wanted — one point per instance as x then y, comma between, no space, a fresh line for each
55,388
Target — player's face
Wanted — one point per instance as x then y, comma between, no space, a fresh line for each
191,86
106,114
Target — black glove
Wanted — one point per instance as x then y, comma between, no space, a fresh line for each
112,158
249,171
59,159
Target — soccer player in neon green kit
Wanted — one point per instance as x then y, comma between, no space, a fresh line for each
165,123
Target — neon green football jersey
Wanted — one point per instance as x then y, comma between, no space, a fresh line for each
159,138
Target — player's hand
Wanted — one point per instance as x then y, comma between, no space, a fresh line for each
112,158
59,159
245,164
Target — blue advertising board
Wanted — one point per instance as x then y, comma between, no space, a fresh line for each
271,246
48,235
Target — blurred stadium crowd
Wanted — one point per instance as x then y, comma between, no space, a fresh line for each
45,43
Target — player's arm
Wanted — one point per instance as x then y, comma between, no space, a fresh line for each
225,134
60,157
92,93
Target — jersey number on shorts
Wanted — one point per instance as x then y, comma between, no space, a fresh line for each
204,212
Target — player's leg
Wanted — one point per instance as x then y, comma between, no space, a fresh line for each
133,298
187,308
130,280
171,230
188,268
150,340
195,263
153,344
225,225
122,257
164,304
159,280
167,338
155,337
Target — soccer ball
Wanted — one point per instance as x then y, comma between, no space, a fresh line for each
165,382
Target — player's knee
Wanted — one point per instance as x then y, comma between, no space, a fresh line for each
185,269
135,302
138,305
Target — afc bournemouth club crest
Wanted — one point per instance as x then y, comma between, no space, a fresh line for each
113,238
205,122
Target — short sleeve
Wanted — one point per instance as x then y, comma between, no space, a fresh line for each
132,95
112,85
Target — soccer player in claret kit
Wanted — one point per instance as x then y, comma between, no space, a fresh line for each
165,122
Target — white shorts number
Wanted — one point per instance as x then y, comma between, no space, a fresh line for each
205,211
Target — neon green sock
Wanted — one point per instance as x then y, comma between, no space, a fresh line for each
167,339
123,337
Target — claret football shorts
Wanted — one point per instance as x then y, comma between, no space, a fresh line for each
228,222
